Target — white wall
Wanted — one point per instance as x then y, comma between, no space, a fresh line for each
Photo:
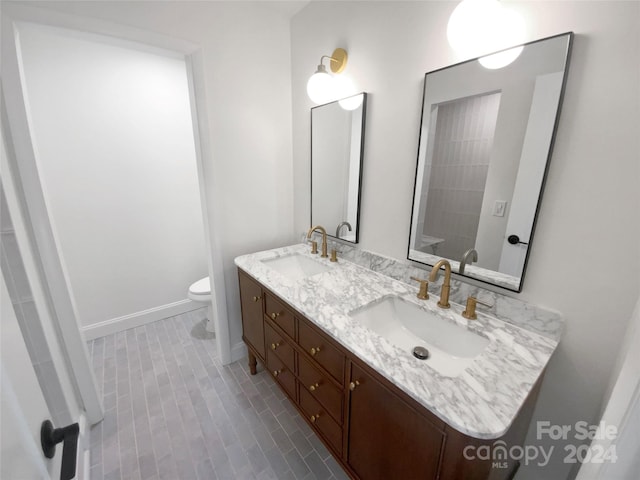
584,260
112,127
245,56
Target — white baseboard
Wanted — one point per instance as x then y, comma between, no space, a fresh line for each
132,320
238,351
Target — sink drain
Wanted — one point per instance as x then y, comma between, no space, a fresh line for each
420,353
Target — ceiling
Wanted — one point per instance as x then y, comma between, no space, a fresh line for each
288,8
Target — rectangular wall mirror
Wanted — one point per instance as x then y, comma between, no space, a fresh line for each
485,142
337,141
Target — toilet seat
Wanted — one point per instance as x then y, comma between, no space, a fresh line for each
200,291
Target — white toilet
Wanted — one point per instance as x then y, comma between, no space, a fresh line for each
200,291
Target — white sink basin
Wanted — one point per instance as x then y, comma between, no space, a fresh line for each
296,266
451,347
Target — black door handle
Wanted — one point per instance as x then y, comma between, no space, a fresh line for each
515,240
50,437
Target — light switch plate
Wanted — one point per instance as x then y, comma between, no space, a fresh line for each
499,208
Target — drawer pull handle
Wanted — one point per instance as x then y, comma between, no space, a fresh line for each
313,387
314,350
315,417
255,299
275,345
353,385
277,372
275,315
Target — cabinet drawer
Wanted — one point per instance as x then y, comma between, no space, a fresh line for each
318,416
321,388
279,315
322,351
278,346
283,375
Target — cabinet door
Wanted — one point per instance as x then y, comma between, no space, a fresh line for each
252,322
387,437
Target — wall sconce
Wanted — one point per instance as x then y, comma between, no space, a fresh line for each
478,27
321,87
351,103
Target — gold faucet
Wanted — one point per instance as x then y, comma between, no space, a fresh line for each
324,239
446,284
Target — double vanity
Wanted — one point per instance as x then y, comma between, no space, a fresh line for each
395,385
426,380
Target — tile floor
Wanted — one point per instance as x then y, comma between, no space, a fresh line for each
174,412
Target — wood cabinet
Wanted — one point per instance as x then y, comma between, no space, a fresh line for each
251,304
387,437
372,428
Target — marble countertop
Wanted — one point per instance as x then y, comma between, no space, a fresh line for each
481,402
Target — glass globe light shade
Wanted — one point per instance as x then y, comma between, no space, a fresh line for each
320,86
471,24
351,103
500,59
480,26
343,86
346,91
512,26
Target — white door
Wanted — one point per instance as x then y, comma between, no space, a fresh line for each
21,169
22,405
544,107
615,450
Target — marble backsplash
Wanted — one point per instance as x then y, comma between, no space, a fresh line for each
509,309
